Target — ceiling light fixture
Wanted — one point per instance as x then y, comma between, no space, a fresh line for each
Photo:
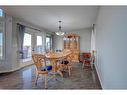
60,33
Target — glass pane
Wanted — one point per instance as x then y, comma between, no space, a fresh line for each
39,40
39,44
1,13
27,46
48,43
1,40
27,39
1,45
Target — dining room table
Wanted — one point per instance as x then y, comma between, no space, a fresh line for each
55,58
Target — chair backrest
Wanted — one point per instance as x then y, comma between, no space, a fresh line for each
87,55
39,60
87,58
69,58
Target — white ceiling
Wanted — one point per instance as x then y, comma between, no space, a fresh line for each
73,17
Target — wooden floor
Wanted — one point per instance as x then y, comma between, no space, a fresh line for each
24,79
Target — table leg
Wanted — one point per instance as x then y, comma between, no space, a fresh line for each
56,69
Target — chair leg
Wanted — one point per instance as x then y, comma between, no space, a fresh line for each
92,66
61,74
46,81
83,64
36,79
69,70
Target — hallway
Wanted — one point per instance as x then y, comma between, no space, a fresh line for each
24,79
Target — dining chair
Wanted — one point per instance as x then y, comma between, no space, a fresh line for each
70,65
41,68
67,64
87,59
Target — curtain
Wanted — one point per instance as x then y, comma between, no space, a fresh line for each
52,41
20,35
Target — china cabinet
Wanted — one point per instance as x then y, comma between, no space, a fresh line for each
71,42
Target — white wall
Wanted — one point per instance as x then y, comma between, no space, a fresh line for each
85,39
11,61
93,39
6,64
17,64
111,39
58,42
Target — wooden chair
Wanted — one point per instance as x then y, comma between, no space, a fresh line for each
87,59
67,64
41,68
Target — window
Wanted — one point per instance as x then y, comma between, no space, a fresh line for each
1,40
48,43
27,46
1,45
1,13
39,44
1,36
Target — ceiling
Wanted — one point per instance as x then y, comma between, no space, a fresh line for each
72,17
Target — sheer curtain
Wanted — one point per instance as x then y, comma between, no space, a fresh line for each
20,35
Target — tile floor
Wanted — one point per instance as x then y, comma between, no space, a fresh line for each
24,79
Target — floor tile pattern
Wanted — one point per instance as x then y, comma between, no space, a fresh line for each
24,79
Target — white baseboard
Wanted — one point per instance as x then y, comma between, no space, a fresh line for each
99,76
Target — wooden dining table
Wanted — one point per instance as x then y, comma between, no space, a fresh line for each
57,56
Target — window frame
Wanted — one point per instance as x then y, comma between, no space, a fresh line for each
41,45
47,36
3,14
31,43
4,39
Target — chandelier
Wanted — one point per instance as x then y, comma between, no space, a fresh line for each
59,33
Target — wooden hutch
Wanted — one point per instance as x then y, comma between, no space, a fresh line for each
71,42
